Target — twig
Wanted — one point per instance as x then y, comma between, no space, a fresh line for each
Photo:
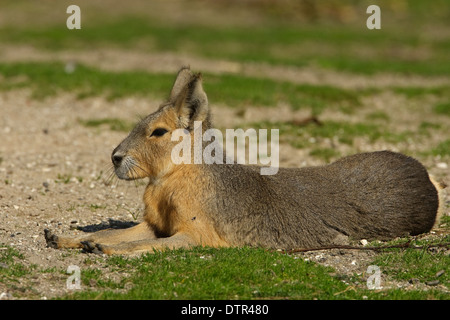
401,246
306,121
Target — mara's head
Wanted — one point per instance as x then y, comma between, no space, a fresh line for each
146,152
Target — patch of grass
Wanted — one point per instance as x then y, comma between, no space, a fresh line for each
205,273
95,279
11,268
378,116
240,91
324,153
273,43
95,207
342,132
227,273
13,271
67,178
234,90
63,178
442,108
47,79
415,92
417,264
427,128
389,64
323,138
425,125
113,124
442,149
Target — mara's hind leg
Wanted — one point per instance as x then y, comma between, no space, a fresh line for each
106,237
440,190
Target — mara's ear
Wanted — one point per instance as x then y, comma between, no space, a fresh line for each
184,76
192,104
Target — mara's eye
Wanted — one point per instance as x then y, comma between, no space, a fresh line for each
158,132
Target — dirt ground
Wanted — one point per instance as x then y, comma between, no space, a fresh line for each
56,174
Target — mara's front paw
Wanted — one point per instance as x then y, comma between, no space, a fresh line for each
51,239
91,247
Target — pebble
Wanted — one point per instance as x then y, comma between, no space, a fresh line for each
442,165
364,242
440,273
432,283
5,296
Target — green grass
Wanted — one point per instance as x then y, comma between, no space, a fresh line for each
242,91
322,139
339,47
48,79
232,273
415,92
227,273
204,273
12,268
442,149
418,264
442,108
113,124
325,153
378,116
341,131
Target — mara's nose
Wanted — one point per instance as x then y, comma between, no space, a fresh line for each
116,158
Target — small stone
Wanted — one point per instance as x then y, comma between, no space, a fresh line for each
442,165
5,296
413,281
70,67
440,273
432,283
364,242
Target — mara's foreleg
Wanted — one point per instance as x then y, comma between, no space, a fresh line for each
179,240
106,237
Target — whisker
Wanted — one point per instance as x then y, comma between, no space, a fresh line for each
142,169
110,176
113,180
135,181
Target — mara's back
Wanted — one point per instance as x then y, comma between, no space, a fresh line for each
369,195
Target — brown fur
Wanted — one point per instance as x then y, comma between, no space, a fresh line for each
378,195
